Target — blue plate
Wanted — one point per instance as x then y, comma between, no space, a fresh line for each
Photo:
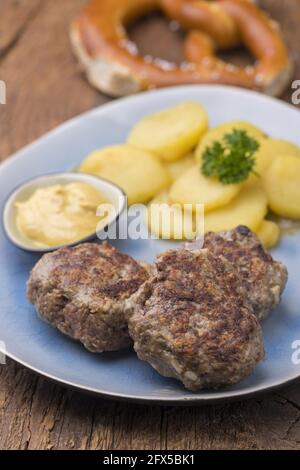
121,375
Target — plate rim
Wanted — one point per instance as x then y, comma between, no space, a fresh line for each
111,104
234,395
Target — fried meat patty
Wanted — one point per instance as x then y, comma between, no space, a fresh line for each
192,321
82,292
263,278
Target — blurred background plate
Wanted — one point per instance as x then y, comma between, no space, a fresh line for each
121,375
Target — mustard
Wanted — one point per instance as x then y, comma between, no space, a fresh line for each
60,214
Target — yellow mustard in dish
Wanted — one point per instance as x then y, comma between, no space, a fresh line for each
60,214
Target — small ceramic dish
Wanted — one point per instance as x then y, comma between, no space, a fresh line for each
24,191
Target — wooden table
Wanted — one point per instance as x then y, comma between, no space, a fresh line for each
44,88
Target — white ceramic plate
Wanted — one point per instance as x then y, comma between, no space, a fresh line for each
121,375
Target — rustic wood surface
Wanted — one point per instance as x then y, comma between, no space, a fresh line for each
44,88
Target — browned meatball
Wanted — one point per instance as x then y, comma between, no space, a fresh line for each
263,278
82,292
192,321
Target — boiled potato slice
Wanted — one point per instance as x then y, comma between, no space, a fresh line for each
168,221
139,173
178,167
272,148
248,208
195,188
253,180
217,134
282,186
268,233
171,133
268,151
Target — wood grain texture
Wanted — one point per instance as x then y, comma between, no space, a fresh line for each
13,21
45,87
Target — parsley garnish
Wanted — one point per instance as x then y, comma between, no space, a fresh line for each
232,159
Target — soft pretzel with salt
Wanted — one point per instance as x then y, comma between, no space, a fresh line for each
114,66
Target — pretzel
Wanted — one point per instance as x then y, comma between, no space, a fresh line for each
114,66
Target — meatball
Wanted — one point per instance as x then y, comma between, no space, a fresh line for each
191,320
264,278
82,292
